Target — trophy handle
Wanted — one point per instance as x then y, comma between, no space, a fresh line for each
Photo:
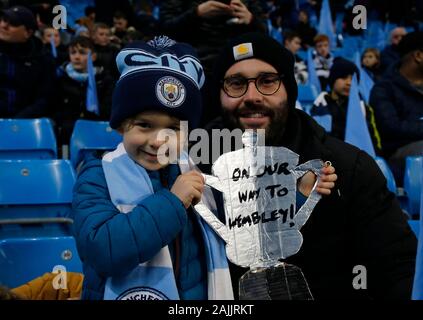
305,211
213,221
213,182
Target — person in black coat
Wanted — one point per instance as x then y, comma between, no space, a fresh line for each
105,50
390,54
207,25
26,71
398,100
72,92
360,223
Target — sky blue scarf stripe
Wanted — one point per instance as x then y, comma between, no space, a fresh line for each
129,184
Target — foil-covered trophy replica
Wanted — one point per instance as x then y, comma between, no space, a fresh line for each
262,222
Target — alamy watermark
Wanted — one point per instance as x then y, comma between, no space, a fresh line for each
60,280
60,20
360,280
205,148
360,20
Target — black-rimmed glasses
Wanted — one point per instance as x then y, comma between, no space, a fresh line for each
266,83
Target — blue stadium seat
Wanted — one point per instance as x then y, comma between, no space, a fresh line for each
306,96
302,54
353,43
324,121
88,136
412,183
35,188
24,259
346,53
27,139
384,167
415,226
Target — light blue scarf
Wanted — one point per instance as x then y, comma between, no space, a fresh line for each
75,75
128,185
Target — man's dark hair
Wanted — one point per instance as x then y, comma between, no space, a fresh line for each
410,42
100,25
120,15
84,42
289,35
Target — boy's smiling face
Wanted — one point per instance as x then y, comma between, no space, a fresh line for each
144,137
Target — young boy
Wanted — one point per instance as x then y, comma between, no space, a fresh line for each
335,103
322,58
134,223
73,82
61,52
136,231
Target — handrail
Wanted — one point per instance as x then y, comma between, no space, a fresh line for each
36,220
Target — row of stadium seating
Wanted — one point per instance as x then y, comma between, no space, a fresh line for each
36,196
35,139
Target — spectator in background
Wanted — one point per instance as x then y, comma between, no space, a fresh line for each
106,8
398,103
106,52
120,29
42,10
322,58
26,71
147,15
370,61
305,30
72,91
62,54
335,103
292,42
90,13
390,55
207,25
86,21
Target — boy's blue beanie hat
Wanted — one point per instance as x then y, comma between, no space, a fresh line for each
159,75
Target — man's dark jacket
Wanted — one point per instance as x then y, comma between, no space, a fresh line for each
360,223
398,107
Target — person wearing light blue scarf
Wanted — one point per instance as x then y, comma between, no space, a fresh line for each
137,232
74,87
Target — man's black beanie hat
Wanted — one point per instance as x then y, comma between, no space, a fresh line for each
259,46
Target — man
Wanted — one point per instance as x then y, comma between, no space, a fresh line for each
390,55
106,52
398,100
335,103
360,223
292,42
26,70
120,25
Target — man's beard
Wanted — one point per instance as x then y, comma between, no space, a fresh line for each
276,127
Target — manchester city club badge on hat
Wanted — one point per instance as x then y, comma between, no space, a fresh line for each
170,92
